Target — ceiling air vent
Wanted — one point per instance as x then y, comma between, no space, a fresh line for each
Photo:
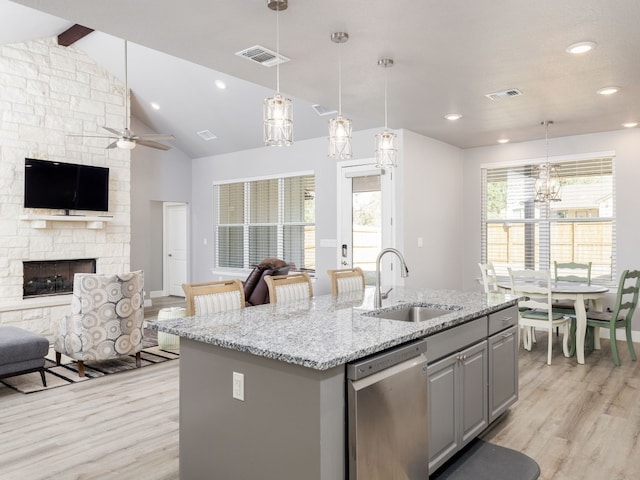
512,92
262,55
322,111
207,135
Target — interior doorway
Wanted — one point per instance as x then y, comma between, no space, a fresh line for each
175,247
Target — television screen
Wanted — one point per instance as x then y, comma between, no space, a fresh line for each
65,186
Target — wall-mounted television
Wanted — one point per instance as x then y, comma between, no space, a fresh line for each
65,186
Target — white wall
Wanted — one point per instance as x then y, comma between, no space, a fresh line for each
157,176
432,200
417,154
625,144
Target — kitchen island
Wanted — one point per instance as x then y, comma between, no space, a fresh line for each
290,419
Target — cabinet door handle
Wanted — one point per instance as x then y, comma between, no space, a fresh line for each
506,320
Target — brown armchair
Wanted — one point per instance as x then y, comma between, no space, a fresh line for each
255,288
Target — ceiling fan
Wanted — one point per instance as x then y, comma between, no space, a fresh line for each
126,139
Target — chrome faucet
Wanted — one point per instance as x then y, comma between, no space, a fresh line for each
404,273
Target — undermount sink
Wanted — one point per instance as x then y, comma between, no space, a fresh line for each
413,312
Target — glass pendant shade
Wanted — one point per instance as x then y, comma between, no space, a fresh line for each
278,121
547,184
340,138
340,127
386,151
277,111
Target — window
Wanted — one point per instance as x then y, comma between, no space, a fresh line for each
520,233
258,219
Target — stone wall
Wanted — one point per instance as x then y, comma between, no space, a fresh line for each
46,93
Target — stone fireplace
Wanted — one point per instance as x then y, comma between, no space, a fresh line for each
56,90
53,277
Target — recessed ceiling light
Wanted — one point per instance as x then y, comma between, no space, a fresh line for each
608,90
503,140
220,84
155,105
453,116
630,124
581,47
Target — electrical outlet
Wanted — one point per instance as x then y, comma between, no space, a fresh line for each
238,386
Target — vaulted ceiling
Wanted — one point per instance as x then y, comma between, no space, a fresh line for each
448,56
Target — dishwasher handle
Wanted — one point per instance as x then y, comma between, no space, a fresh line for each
382,360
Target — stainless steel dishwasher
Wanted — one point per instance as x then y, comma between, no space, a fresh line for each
387,415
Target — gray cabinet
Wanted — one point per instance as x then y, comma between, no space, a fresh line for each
503,361
473,379
458,397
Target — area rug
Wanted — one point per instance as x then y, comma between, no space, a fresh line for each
67,372
482,460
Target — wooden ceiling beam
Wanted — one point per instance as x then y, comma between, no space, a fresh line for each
73,34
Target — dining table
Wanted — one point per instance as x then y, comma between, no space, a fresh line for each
578,293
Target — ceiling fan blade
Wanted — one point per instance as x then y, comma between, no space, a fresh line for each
157,136
152,144
114,131
113,144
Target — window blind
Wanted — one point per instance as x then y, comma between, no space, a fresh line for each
258,219
520,233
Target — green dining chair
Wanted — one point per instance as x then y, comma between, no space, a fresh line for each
620,317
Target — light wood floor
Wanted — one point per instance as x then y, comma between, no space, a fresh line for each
577,421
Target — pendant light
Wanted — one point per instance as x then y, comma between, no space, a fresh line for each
547,182
339,127
386,151
277,110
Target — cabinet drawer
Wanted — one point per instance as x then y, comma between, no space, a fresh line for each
506,318
444,343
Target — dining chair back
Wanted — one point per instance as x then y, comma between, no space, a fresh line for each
573,272
489,278
213,297
286,288
621,314
346,280
536,309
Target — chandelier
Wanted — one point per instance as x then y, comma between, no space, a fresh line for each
277,110
339,127
547,184
386,151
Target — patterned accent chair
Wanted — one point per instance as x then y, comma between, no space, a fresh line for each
106,321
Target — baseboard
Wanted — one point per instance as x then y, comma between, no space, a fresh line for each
620,335
157,293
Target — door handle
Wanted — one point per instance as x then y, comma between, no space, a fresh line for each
170,255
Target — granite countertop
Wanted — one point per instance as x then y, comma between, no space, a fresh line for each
327,331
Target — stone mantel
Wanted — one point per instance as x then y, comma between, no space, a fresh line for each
42,221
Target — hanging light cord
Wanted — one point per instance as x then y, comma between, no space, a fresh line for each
385,98
339,81
278,48
126,88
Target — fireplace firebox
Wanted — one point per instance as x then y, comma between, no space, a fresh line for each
53,277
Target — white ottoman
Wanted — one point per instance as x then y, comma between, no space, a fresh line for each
167,341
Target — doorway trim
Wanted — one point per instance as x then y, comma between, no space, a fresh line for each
389,223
